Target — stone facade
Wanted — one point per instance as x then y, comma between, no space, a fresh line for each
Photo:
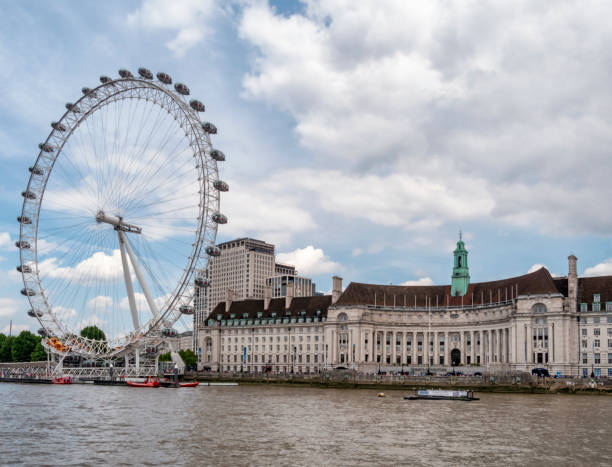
517,324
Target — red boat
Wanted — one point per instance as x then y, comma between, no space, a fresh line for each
62,380
192,384
149,382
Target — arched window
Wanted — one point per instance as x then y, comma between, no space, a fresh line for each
539,308
342,317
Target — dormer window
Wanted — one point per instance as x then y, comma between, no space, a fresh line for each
232,315
245,315
596,306
596,298
219,317
584,307
274,314
259,314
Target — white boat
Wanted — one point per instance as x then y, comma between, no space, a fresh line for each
442,394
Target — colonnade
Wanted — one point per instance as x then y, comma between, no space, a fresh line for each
418,347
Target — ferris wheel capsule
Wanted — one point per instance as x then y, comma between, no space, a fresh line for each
44,147
58,126
24,268
146,74
196,105
105,79
212,250
187,309
219,218
164,78
42,332
181,89
28,292
22,244
217,155
35,170
24,220
72,108
27,194
202,282
125,73
221,185
34,313
209,128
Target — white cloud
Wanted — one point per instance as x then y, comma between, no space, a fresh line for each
535,267
421,281
602,269
99,267
454,101
10,306
189,18
357,251
5,241
101,303
16,329
309,261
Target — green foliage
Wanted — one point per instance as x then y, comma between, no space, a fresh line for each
38,354
165,357
5,348
93,332
23,346
189,357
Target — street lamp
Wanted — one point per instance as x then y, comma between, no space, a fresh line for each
110,371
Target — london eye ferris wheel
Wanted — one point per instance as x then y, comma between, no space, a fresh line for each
120,215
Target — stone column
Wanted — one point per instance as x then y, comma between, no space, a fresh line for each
425,347
472,348
446,348
462,347
413,347
393,347
436,348
529,344
403,344
384,347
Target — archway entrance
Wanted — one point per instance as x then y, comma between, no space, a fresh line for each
455,357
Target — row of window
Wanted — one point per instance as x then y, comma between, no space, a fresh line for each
316,358
270,339
595,306
237,348
596,343
597,358
596,331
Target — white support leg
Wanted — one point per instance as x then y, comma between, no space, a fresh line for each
140,277
137,359
128,280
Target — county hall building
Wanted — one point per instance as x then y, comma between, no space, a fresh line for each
535,320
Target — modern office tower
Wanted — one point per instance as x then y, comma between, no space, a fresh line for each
284,269
242,269
302,286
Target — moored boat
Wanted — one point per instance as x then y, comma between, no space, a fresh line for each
149,382
442,394
62,380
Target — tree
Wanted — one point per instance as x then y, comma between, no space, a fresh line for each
188,357
23,346
38,354
93,332
165,357
5,348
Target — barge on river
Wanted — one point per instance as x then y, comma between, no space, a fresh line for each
442,394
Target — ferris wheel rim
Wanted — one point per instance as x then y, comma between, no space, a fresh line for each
199,143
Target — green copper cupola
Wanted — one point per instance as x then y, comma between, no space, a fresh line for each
461,272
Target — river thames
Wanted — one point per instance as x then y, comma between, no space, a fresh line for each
259,425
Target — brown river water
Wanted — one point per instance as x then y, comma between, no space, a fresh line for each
259,425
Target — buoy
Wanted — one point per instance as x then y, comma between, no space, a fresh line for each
381,394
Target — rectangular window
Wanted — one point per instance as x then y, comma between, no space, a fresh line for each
585,357
584,344
610,358
584,332
596,332
584,307
596,343
596,306
597,358
610,343
596,319
608,306
596,298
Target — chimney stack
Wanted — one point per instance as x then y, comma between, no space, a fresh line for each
572,284
290,295
229,297
336,288
267,297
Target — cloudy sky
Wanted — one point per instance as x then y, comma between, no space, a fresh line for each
360,136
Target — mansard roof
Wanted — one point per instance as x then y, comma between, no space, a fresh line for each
589,286
537,282
251,307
